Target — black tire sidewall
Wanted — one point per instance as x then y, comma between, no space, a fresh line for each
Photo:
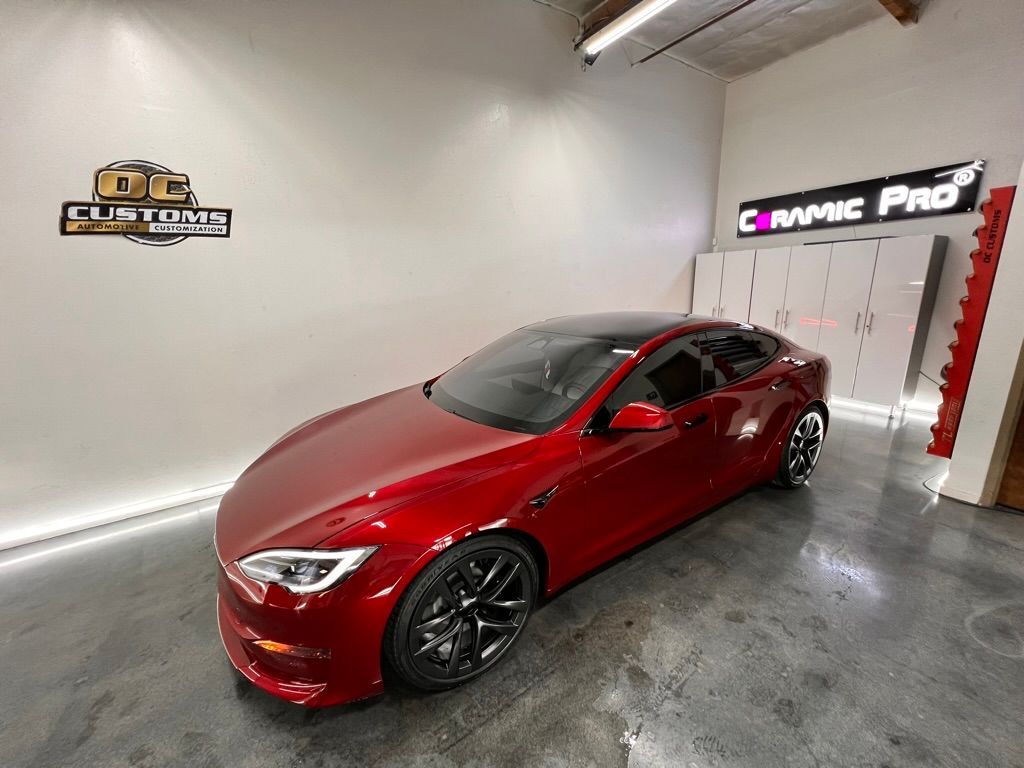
396,649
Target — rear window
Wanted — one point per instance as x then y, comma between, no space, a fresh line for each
734,354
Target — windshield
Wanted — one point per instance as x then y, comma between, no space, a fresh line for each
527,381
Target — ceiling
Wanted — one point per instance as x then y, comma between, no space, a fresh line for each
750,39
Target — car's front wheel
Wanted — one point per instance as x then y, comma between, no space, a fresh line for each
463,613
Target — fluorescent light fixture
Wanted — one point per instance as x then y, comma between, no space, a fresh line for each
32,533
623,25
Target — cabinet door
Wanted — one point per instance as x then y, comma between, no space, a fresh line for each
896,292
707,284
845,310
737,275
768,294
805,293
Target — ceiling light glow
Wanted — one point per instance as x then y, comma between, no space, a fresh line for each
623,25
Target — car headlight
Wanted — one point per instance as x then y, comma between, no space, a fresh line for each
303,571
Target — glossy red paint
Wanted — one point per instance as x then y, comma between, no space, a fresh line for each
399,473
641,417
352,464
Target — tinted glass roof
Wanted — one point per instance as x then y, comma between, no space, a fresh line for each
633,327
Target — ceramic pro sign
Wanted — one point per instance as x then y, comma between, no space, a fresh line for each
932,192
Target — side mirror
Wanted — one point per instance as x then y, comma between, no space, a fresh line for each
641,417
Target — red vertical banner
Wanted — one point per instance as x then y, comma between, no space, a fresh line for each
973,306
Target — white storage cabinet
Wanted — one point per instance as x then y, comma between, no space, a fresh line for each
805,293
866,304
845,311
899,311
721,284
768,294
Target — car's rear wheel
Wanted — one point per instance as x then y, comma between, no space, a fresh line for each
462,614
803,446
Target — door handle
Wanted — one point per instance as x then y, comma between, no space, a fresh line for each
781,384
856,323
869,323
721,311
785,320
696,421
714,310
776,324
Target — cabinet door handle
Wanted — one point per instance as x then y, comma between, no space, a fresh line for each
721,311
776,324
869,323
714,310
856,323
785,320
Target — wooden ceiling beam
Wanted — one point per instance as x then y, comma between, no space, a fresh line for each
904,11
604,14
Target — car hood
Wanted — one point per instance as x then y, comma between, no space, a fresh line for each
349,464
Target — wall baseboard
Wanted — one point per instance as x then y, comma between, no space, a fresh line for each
960,494
30,534
911,408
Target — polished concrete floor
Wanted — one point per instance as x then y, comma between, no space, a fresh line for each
859,621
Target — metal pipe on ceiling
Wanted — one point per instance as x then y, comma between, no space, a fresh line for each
699,28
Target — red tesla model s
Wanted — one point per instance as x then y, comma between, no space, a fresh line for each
420,528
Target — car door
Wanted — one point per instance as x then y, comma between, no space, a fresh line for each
640,483
751,400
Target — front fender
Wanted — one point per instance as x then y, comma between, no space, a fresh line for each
490,502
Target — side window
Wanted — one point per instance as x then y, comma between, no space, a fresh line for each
734,354
767,346
668,377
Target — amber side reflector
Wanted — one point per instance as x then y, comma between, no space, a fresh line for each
293,650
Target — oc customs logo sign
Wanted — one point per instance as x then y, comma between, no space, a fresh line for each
144,202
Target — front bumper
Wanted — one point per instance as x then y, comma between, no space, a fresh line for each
347,621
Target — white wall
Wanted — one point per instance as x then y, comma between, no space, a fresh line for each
884,99
992,407
409,180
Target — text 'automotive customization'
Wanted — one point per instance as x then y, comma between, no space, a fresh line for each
144,202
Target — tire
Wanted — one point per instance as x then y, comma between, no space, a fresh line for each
462,614
802,448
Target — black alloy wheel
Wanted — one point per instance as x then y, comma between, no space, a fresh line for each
463,613
800,454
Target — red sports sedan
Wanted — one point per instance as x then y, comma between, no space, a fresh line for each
420,528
